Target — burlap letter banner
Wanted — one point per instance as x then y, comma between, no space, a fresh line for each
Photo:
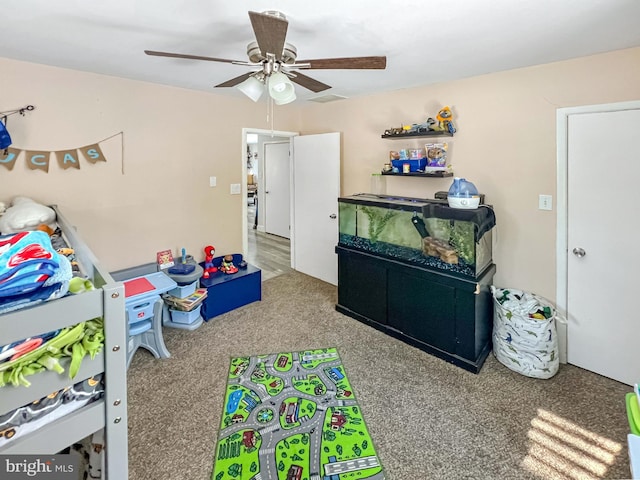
68,159
93,153
71,158
9,159
37,160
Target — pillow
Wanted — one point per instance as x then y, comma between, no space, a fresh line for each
26,214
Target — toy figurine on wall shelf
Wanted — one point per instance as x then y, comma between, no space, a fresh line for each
442,123
445,121
227,265
209,252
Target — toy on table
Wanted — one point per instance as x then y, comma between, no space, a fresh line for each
209,252
184,267
227,265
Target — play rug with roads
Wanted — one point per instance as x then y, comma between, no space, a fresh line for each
293,416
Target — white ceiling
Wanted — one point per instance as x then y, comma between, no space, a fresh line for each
425,41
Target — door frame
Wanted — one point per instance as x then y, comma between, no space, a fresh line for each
243,163
562,220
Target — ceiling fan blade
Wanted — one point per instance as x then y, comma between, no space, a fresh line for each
354,63
309,83
188,57
270,32
235,81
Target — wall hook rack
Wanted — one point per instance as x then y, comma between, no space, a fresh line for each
5,138
21,111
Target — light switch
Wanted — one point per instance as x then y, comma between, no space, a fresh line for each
212,181
236,189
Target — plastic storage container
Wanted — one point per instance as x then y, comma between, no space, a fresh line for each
187,318
423,232
182,291
416,154
414,165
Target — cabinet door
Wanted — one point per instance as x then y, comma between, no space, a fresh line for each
422,309
362,286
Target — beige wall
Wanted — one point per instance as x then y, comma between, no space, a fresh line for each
505,144
174,139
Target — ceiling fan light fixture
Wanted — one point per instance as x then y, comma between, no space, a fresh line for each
281,89
284,101
252,88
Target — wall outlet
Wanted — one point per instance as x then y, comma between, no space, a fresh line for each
545,202
213,181
236,189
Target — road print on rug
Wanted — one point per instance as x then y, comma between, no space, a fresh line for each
293,416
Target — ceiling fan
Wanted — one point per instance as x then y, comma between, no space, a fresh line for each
274,62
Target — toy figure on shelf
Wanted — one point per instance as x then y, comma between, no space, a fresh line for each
227,265
445,121
209,252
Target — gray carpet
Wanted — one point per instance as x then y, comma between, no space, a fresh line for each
428,419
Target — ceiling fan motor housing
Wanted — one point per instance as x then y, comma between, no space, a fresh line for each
289,53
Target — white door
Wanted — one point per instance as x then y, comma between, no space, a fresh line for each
316,180
603,253
277,180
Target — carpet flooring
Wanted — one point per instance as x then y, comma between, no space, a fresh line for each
427,418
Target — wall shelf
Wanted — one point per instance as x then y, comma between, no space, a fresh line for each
420,174
430,133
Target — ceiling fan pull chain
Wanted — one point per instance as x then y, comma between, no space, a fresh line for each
268,110
273,112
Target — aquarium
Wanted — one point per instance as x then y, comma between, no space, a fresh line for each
424,232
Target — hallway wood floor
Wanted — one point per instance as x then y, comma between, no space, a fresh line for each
270,253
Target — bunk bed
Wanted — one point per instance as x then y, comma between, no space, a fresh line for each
107,300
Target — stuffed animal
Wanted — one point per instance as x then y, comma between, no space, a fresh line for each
26,214
209,252
445,121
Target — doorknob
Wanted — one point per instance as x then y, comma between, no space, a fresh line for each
333,215
579,252
267,191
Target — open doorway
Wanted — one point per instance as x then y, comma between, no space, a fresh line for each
268,251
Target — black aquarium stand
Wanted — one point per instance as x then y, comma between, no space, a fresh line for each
447,316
